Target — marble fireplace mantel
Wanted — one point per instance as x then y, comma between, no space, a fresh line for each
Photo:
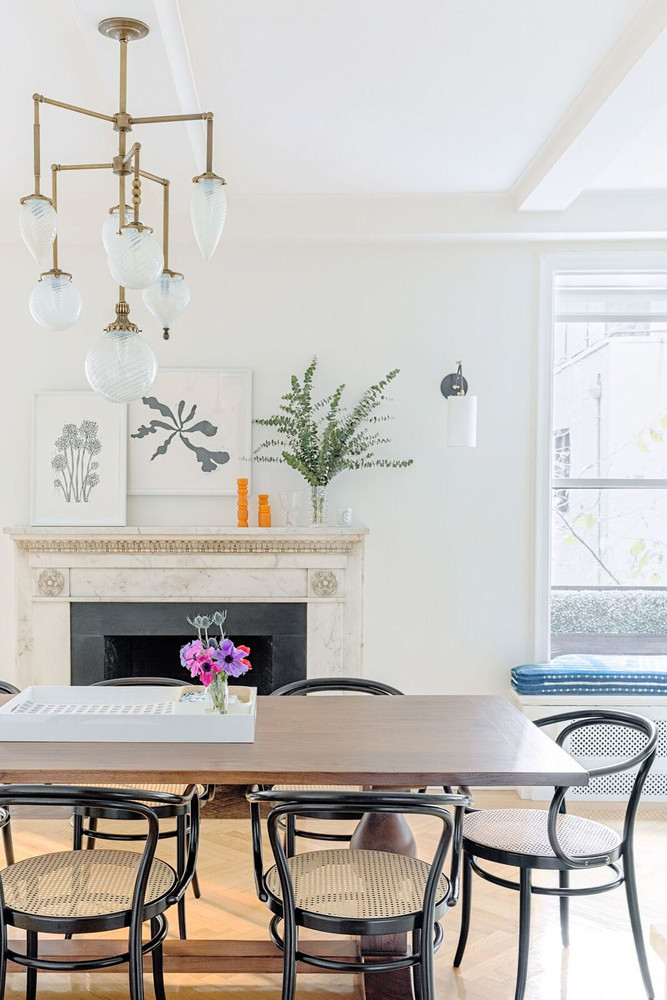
55,567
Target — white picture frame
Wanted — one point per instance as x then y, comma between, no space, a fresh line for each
78,476
188,464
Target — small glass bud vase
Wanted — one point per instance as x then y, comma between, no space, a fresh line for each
318,512
216,697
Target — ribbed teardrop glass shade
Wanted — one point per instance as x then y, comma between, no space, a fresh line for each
38,222
135,258
208,209
55,302
121,366
167,298
111,225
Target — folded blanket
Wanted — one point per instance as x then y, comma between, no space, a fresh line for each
589,674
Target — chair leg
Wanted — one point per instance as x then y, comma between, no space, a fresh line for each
136,966
158,965
466,906
196,889
289,958
525,892
92,826
3,957
636,922
416,969
426,965
290,836
31,974
181,853
8,843
77,832
564,883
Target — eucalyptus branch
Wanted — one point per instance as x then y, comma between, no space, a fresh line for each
320,439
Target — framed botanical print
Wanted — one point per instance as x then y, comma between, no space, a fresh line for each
193,434
79,460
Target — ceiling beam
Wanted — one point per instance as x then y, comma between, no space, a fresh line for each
170,22
625,92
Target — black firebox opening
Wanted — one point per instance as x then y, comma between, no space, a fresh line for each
118,639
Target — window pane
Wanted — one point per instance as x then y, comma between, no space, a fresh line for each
610,398
614,538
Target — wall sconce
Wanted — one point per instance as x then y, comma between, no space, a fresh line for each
461,420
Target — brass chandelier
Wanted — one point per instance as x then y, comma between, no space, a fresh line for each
121,366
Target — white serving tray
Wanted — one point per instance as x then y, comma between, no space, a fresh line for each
150,714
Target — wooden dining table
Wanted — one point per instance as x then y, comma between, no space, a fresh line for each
406,742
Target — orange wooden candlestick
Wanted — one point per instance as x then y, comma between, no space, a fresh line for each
242,503
263,511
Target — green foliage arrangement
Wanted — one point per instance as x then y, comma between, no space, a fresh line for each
320,439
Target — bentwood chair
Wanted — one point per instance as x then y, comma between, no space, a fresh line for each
174,805
5,818
553,840
357,892
85,892
325,685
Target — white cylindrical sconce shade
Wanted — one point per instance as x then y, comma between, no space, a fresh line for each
461,422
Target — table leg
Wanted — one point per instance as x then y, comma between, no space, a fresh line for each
385,832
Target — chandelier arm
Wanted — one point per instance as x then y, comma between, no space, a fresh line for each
73,107
54,202
209,143
158,119
36,143
82,166
136,184
165,212
55,168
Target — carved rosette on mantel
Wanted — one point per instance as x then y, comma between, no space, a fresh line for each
55,567
50,583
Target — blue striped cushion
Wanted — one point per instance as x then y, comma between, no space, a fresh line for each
588,674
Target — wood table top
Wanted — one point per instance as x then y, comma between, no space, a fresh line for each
409,741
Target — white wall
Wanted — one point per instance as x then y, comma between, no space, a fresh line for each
449,570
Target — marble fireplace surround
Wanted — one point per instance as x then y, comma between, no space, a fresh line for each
56,567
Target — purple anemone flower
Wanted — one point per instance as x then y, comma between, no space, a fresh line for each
231,658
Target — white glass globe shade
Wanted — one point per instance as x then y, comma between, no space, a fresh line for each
121,366
38,222
55,302
135,258
167,298
111,225
208,209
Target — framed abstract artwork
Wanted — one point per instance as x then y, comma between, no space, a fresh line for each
192,435
79,460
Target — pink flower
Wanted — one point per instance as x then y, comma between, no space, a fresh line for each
189,650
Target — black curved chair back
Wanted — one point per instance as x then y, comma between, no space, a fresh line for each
140,681
7,688
640,762
324,685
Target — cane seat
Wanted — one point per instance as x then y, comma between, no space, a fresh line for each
357,885
79,884
524,831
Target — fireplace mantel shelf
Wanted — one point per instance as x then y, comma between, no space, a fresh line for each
57,567
146,539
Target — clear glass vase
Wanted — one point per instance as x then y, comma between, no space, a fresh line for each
318,511
216,698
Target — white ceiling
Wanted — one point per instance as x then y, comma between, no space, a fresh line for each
642,163
325,96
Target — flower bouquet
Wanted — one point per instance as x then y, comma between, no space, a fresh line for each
213,660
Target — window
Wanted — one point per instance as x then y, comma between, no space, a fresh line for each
608,558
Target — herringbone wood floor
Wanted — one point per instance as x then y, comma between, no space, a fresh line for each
600,963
